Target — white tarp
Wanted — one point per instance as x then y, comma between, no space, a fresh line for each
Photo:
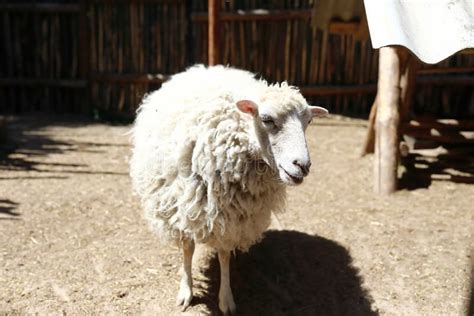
432,29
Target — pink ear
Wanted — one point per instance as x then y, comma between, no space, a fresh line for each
248,107
318,111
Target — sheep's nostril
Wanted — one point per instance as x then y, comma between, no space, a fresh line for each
297,163
303,166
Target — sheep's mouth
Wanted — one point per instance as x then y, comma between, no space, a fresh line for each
295,179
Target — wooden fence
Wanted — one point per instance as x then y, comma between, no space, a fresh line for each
104,55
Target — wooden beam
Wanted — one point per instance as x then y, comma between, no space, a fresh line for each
335,27
254,15
369,142
441,137
130,78
139,1
34,7
64,83
467,51
445,70
442,124
340,27
213,32
446,80
315,90
337,89
427,175
409,82
41,7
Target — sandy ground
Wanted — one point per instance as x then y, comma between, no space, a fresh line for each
73,240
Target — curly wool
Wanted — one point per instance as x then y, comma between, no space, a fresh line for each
196,164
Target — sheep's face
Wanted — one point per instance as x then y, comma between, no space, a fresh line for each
280,132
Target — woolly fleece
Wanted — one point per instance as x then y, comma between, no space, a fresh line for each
197,164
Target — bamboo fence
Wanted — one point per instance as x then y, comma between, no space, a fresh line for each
104,55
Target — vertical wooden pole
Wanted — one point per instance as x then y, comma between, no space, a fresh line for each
409,66
214,32
387,121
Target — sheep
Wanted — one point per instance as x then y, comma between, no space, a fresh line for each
213,149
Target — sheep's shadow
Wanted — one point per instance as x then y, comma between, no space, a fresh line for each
291,273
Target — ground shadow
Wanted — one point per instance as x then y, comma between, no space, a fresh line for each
24,144
421,170
7,207
291,273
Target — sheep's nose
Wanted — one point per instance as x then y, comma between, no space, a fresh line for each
304,166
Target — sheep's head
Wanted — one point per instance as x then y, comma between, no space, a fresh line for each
280,120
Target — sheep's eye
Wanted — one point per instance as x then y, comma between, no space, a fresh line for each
268,121
309,122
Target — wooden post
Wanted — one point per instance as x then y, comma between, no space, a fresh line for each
387,121
407,83
369,142
214,32
408,69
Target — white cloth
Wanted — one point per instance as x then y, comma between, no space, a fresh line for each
432,29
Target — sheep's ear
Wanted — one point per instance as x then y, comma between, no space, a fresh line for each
248,107
318,111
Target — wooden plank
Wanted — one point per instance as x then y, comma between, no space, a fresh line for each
369,143
445,70
213,32
432,175
321,90
446,80
323,56
130,78
160,78
41,7
7,42
467,51
444,137
462,154
84,53
254,15
316,90
37,82
414,144
371,88
344,28
407,83
441,124
138,1
335,27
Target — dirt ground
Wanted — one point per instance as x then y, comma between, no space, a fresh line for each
73,239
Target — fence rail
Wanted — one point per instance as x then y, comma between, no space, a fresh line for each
40,7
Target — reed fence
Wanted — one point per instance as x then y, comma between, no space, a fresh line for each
102,55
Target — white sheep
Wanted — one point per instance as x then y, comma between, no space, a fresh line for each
213,150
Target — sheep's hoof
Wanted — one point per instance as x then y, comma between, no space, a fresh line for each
185,296
227,305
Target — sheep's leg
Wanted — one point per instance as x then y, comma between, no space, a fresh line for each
185,294
226,299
